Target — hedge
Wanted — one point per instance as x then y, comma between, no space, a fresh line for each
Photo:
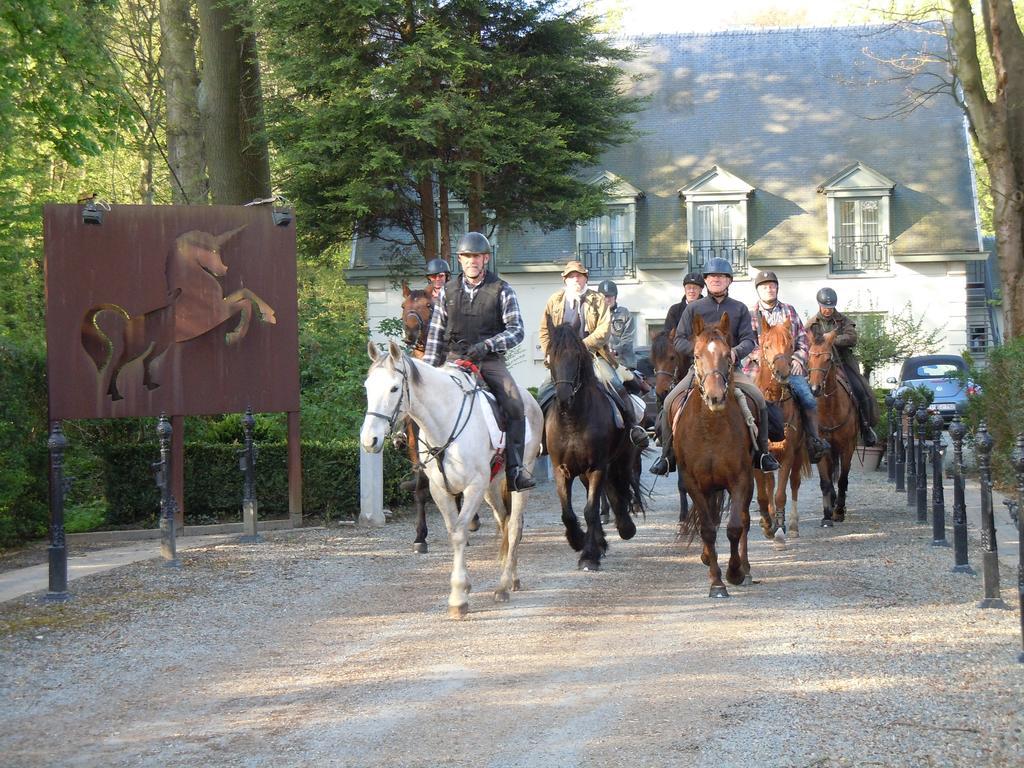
213,482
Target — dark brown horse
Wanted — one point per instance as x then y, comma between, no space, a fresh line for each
417,306
775,363
837,414
195,304
669,371
584,441
713,448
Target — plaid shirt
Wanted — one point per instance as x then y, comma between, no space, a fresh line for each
773,317
436,351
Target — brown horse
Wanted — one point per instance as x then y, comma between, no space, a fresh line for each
837,414
775,364
195,304
713,448
417,307
669,370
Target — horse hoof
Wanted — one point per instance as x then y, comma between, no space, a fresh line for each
747,581
826,522
517,585
780,538
767,531
794,533
458,611
474,524
420,547
627,529
839,517
718,592
586,564
736,579
501,595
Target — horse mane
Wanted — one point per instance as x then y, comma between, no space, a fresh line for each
662,347
565,343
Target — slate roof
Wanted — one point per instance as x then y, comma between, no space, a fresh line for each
785,110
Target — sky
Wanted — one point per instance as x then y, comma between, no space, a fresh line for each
646,17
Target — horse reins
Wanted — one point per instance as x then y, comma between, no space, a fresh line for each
418,344
831,365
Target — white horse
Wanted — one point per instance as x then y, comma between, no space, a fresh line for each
455,450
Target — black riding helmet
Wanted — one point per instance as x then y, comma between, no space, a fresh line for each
694,278
437,267
473,242
608,288
827,298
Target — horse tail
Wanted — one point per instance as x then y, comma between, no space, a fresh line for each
103,333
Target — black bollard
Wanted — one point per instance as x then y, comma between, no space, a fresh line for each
922,467
168,544
957,431
990,558
247,463
911,461
938,496
1018,465
901,455
890,444
58,549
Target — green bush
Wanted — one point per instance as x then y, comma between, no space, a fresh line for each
213,482
1001,404
23,434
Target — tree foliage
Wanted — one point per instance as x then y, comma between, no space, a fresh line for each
884,338
385,108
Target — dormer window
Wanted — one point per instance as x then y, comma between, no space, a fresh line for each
858,220
716,216
605,243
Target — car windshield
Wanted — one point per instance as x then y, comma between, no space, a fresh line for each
934,371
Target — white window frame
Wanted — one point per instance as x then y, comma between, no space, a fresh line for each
861,184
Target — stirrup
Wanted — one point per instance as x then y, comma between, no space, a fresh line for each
764,461
638,436
660,467
518,480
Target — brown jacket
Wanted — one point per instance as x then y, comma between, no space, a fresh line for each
597,320
846,335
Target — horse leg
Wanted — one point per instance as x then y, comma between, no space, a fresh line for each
684,504
605,509
617,492
474,524
594,542
785,473
154,352
765,491
738,571
419,499
708,533
844,479
573,532
458,597
828,492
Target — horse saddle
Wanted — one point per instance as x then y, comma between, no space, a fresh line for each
494,416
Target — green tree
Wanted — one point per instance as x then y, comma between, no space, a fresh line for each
884,338
387,109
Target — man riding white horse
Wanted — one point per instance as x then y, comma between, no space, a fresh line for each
477,318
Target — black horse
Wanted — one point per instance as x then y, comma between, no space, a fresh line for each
584,441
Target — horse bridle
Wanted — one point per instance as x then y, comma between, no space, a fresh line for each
701,377
825,372
576,383
393,418
420,342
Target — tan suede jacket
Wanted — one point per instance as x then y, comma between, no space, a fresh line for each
596,316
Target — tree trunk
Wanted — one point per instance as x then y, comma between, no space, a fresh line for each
477,222
444,217
181,85
428,217
232,106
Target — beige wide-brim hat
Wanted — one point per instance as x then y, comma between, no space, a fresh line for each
574,266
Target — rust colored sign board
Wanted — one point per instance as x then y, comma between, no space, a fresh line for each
181,310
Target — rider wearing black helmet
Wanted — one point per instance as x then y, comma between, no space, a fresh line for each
437,273
477,317
622,336
828,319
693,289
717,278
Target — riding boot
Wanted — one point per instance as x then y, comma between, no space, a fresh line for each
637,434
816,445
867,434
663,465
763,459
515,473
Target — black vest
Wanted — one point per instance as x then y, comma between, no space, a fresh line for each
476,320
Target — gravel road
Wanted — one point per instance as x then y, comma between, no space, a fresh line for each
856,646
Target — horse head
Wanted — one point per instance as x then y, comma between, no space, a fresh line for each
569,362
416,309
777,350
712,362
665,360
203,250
820,361
387,394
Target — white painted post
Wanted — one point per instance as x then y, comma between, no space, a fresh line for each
371,488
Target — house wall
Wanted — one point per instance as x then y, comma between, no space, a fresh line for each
934,290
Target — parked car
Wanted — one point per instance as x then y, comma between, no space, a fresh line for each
944,375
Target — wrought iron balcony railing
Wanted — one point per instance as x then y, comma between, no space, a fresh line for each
607,259
734,251
860,254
